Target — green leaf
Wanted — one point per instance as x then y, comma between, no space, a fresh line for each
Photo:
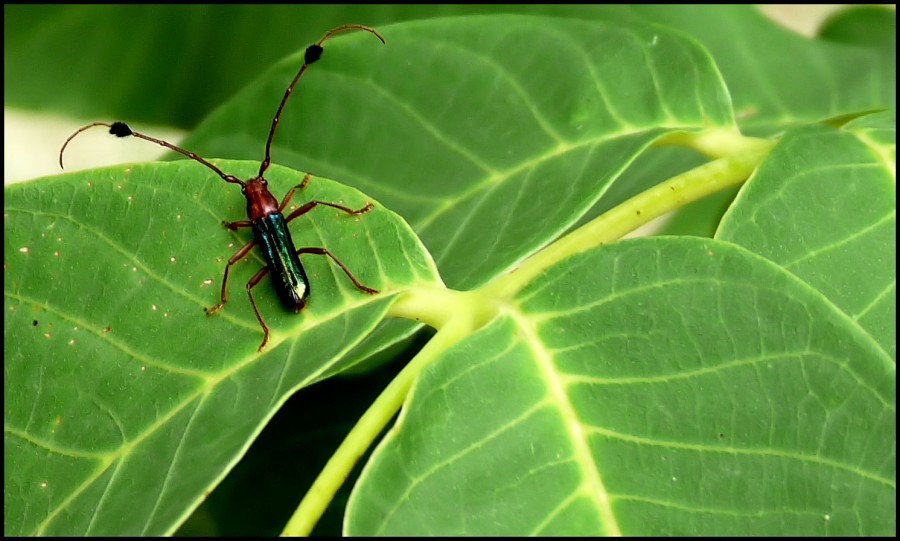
830,217
124,404
575,111
778,79
651,387
867,26
585,101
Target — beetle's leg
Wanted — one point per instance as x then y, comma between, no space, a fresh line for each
313,204
235,225
234,259
252,283
323,251
290,193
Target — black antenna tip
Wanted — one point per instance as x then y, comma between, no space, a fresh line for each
313,53
120,129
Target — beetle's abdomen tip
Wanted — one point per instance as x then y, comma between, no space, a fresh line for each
299,306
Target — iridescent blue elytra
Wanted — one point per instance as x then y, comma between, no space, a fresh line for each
265,214
274,238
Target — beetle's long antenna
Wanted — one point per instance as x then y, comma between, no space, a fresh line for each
313,53
120,129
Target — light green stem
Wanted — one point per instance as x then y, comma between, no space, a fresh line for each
451,330
637,211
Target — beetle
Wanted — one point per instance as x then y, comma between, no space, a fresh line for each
264,212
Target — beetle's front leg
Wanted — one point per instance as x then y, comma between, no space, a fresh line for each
234,259
235,225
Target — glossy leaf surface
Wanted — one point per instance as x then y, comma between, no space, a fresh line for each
123,400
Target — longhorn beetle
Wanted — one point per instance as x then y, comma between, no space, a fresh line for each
265,213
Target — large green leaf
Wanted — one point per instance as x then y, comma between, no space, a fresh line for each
777,78
504,150
830,218
123,403
518,146
653,387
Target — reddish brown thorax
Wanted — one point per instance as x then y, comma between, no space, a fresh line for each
260,201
